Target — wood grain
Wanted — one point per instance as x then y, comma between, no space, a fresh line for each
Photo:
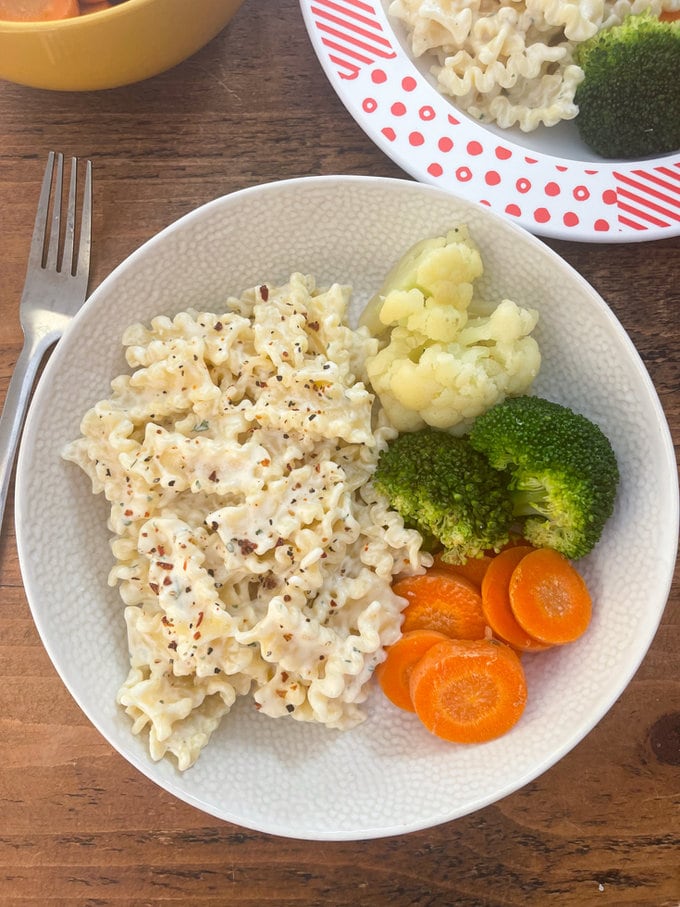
78,825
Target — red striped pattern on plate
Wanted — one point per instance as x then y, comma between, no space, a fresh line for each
352,34
649,197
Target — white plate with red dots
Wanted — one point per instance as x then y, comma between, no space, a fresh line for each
547,181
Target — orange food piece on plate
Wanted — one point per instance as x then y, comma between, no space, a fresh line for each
444,601
469,690
38,10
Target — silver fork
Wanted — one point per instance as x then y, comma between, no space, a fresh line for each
54,290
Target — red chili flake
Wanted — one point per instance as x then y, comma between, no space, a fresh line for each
264,292
200,619
213,476
161,550
288,636
167,581
218,325
197,634
172,644
314,325
165,565
284,676
128,512
154,588
246,546
265,462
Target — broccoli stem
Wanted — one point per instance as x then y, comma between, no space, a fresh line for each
529,499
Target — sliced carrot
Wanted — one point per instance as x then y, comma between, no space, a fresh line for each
442,600
670,15
550,598
394,673
496,605
469,691
473,569
38,10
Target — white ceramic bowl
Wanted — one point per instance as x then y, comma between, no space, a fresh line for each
281,776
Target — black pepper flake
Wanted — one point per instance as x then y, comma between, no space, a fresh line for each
218,325
290,707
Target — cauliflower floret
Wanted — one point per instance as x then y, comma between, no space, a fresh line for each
442,269
447,385
445,360
422,315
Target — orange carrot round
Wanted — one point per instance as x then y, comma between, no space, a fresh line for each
670,15
496,605
469,691
441,600
38,10
549,597
472,570
394,673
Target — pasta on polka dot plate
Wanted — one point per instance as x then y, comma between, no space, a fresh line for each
540,176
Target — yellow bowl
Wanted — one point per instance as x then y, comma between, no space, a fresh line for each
127,43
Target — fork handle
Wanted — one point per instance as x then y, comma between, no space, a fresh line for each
15,408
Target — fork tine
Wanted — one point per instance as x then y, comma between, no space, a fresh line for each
55,228
35,257
69,234
85,244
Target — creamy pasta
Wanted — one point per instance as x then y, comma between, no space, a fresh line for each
251,552
510,62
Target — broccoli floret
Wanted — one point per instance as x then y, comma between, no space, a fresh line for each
562,470
629,99
447,491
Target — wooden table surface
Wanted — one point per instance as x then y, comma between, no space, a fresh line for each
78,825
